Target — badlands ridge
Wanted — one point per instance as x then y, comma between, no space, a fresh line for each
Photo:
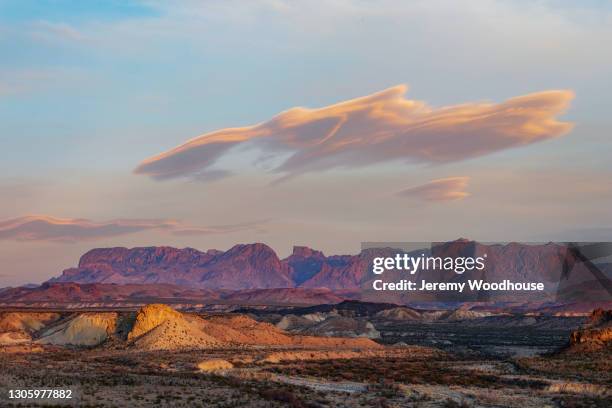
157,327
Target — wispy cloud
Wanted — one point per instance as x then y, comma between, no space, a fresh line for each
47,228
220,229
445,189
49,31
373,129
25,81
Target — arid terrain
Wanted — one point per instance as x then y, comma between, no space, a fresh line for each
351,354
160,326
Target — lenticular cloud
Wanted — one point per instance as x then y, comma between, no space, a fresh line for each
384,126
47,228
445,189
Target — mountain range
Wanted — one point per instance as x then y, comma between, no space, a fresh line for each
256,267
245,266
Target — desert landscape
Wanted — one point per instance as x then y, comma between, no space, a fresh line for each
351,354
179,327
305,204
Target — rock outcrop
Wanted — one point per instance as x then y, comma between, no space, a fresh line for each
599,317
399,314
86,329
151,316
596,334
294,323
330,326
13,338
344,327
25,322
175,334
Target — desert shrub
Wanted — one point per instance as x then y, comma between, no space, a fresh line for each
282,395
450,403
579,401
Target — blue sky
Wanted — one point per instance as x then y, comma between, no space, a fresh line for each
74,11
88,90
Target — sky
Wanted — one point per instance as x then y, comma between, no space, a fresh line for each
206,124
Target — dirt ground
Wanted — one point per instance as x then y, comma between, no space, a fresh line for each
401,377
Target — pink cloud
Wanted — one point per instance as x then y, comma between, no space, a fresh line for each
446,189
381,127
47,228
